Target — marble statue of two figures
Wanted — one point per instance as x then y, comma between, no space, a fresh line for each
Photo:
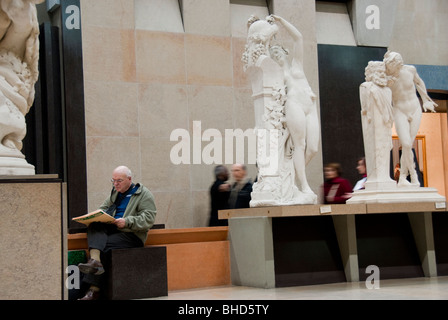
389,96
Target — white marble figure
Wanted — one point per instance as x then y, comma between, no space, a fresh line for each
283,102
19,55
300,106
377,121
380,105
407,110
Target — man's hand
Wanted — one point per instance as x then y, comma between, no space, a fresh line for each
224,187
120,223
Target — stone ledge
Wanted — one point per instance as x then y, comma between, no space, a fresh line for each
38,178
334,209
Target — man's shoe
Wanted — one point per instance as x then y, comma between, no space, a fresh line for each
91,295
91,267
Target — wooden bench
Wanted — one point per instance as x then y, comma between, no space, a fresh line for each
196,257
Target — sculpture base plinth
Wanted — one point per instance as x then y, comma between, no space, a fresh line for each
396,195
15,167
33,237
266,199
289,246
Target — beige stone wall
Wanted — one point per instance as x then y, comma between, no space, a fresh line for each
420,32
146,76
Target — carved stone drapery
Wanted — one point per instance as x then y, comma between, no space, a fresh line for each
19,55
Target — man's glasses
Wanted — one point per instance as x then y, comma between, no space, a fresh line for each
116,181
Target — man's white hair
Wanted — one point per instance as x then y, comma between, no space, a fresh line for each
125,170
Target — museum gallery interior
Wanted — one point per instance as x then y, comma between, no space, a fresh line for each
281,93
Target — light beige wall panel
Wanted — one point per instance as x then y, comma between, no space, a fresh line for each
244,109
108,54
209,60
111,108
160,57
97,198
333,25
158,15
201,207
420,32
162,109
206,17
118,14
158,171
239,14
203,177
104,154
212,106
174,209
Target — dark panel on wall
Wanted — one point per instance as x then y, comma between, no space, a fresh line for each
32,143
43,145
74,109
306,252
341,72
53,142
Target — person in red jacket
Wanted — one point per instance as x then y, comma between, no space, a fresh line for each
337,190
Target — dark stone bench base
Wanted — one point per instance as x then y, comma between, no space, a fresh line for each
137,273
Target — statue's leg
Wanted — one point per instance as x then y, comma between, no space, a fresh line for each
312,136
296,123
298,158
406,137
414,127
405,165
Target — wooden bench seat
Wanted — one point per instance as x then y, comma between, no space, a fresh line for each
78,241
196,257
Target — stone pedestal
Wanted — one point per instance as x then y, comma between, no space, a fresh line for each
15,167
252,252
397,195
32,238
313,244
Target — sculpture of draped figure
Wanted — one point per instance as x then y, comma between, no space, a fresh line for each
19,56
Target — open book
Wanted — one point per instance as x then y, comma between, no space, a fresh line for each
95,216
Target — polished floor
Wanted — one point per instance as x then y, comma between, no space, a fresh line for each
398,289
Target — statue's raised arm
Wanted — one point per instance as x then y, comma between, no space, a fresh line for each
295,34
